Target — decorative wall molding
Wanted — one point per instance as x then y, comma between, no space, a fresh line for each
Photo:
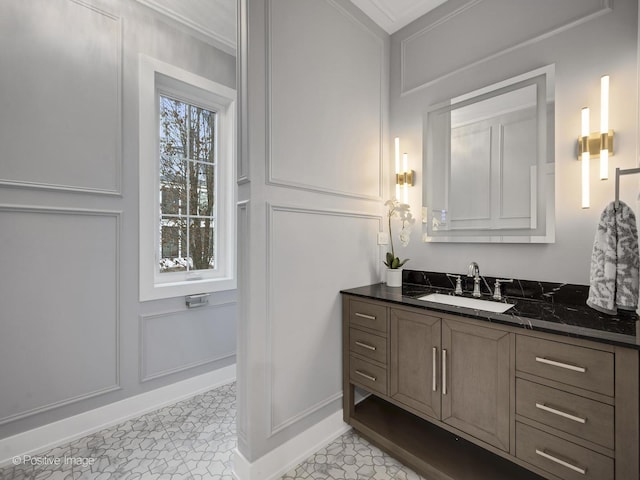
107,388
71,428
305,413
243,336
63,188
273,209
117,147
144,319
605,7
242,68
203,29
283,182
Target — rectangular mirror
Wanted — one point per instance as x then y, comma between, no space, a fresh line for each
489,164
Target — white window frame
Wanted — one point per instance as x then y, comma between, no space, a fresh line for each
156,77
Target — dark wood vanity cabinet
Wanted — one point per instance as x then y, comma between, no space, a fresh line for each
475,381
414,364
466,368
459,398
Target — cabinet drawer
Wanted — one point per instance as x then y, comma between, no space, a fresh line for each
368,375
577,366
369,315
368,345
564,459
569,413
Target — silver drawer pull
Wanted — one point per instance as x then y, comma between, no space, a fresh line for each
366,345
542,406
364,315
560,364
368,377
561,462
434,372
444,372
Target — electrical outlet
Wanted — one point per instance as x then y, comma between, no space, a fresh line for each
383,238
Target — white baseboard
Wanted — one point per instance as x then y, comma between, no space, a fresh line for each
63,431
279,461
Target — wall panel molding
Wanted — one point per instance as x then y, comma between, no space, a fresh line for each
272,285
109,152
242,67
115,385
182,316
413,81
243,217
284,181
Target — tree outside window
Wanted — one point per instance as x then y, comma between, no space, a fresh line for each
187,186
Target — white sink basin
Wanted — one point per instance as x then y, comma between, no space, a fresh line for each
466,302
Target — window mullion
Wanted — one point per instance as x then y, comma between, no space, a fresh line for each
188,182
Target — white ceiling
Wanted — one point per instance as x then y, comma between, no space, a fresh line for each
215,20
392,15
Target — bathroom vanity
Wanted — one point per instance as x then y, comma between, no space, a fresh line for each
544,390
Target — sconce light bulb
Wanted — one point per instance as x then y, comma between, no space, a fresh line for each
604,127
585,179
396,142
585,122
604,164
405,169
397,153
604,104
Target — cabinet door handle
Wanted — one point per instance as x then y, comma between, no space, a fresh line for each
561,462
368,377
560,364
366,345
434,373
364,315
444,372
542,406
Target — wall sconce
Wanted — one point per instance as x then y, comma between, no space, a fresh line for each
599,144
405,177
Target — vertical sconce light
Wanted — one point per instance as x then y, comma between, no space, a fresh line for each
405,169
397,157
591,145
604,127
585,157
405,177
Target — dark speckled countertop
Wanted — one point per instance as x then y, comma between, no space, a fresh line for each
542,306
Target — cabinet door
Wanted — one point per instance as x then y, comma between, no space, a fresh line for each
414,377
475,397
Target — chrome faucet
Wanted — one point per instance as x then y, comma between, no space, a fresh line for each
497,295
458,290
474,271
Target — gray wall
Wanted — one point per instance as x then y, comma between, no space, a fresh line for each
464,45
73,334
313,150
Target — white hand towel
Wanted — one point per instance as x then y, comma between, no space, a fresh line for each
615,262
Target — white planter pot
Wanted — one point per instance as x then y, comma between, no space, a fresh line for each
394,277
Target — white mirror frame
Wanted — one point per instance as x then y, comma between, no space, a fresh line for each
543,225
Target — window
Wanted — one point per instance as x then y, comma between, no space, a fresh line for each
186,184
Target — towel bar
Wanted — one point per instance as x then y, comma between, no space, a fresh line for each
628,171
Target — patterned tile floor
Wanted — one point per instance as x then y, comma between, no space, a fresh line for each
193,440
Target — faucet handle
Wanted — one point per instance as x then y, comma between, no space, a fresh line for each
497,295
458,290
474,270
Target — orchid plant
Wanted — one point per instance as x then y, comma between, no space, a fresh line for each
401,211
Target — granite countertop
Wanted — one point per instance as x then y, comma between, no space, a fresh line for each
539,306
